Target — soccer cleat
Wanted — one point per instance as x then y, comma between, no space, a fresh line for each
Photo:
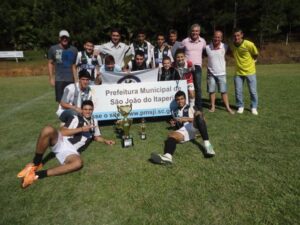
254,111
29,178
27,168
161,159
240,110
209,151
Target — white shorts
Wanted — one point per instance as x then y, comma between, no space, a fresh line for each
191,87
188,131
62,149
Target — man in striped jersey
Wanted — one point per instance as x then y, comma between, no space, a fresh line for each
66,144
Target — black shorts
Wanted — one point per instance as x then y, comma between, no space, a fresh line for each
59,89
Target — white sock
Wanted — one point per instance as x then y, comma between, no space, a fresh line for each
192,102
206,143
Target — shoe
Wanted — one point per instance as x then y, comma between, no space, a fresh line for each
27,168
161,159
254,111
209,151
29,178
240,110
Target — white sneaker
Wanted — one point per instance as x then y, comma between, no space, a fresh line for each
161,159
254,111
209,151
240,110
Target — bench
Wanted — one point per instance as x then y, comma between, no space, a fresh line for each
11,54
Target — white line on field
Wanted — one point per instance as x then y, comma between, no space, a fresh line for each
24,105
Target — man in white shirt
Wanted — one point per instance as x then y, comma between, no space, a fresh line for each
216,70
115,48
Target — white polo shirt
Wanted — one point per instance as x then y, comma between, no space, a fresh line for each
117,51
216,59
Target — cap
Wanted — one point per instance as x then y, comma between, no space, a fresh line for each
64,33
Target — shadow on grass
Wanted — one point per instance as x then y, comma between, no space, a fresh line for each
218,104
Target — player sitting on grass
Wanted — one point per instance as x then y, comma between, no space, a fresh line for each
67,144
187,124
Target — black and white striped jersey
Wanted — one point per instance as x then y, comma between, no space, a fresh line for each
81,140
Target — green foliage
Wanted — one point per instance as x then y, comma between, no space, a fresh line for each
30,24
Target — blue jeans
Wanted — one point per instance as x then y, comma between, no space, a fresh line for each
251,82
197,84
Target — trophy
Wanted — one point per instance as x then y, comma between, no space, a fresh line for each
143,130
125,124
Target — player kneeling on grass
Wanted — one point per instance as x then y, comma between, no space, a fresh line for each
67,143
187,123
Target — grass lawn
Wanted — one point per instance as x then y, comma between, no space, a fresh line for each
253,179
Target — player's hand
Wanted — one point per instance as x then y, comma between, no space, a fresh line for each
172,123
96,53
87,128
109,142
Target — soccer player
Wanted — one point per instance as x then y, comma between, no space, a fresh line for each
187,124
74,95
245,54
167,72
67,143
161,50
142,45
216,70
138,63
89,60
186,71
110,65
172,41
61,61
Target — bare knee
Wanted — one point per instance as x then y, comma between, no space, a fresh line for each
77,164
176,136
48,131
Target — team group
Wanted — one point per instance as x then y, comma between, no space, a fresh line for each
71,72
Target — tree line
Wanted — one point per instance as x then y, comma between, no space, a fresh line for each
33,24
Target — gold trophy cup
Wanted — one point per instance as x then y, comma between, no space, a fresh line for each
124,124
143,130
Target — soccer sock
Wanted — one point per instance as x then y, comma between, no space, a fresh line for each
192,102
201,125
170,146
41,174
37,159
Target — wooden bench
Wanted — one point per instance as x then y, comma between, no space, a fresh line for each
11,54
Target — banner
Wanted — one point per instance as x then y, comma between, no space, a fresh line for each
150,99
149,75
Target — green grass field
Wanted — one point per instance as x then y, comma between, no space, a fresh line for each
254,178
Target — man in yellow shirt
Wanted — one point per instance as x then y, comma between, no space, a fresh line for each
245,54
